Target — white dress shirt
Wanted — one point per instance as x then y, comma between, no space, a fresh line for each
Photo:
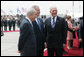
29,21
36,20
52,20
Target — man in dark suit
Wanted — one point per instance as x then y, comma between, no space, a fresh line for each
2,26
2,33
27,40
10,24
39,32
13,23
81,36
81,33
2,23
55,30
5,23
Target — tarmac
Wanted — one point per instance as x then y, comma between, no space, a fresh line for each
9,44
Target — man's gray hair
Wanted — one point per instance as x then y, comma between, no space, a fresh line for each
30,11
53,7
35,6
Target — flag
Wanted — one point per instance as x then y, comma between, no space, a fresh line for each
24,9
2,12
11,11
67,11
73,3
73,8
18,11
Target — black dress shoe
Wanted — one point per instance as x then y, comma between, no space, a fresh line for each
65,52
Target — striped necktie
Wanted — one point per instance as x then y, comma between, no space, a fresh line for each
39,24
53,23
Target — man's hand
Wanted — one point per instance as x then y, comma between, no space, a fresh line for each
19,51
45,44
74,29
80,40
64,45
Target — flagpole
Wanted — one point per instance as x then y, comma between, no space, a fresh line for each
73,8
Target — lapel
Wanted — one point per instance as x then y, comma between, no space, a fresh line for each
56,24
28,22
57,21
30,26
36,25
49,24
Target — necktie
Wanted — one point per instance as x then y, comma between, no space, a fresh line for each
39,24
53,23
32,24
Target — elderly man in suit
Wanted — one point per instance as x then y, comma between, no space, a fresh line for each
27,40
55,30
5,23
81,33
13,23
10,23
81,36
39,32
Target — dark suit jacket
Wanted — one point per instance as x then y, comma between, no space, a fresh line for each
27,40
39,34
10,23
55,37
81,33
5,22
13,22
2,23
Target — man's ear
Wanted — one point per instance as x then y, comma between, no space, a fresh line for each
50,11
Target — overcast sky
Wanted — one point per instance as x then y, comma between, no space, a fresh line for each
62,6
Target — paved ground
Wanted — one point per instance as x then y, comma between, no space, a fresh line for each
16,28
9,44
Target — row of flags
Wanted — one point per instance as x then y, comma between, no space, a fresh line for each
22,10
2,11
18,11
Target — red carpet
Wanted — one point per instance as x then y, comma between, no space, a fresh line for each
75,51
12,31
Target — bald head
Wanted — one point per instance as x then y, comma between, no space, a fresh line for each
53,11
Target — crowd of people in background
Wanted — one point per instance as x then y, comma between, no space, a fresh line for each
13,21
10,22
74,26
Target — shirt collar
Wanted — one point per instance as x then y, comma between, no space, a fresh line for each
55,18
36,20
29,20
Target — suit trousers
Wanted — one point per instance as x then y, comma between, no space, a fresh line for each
71,43
40,50
5,28
81,45
57,51
13,27
9,28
